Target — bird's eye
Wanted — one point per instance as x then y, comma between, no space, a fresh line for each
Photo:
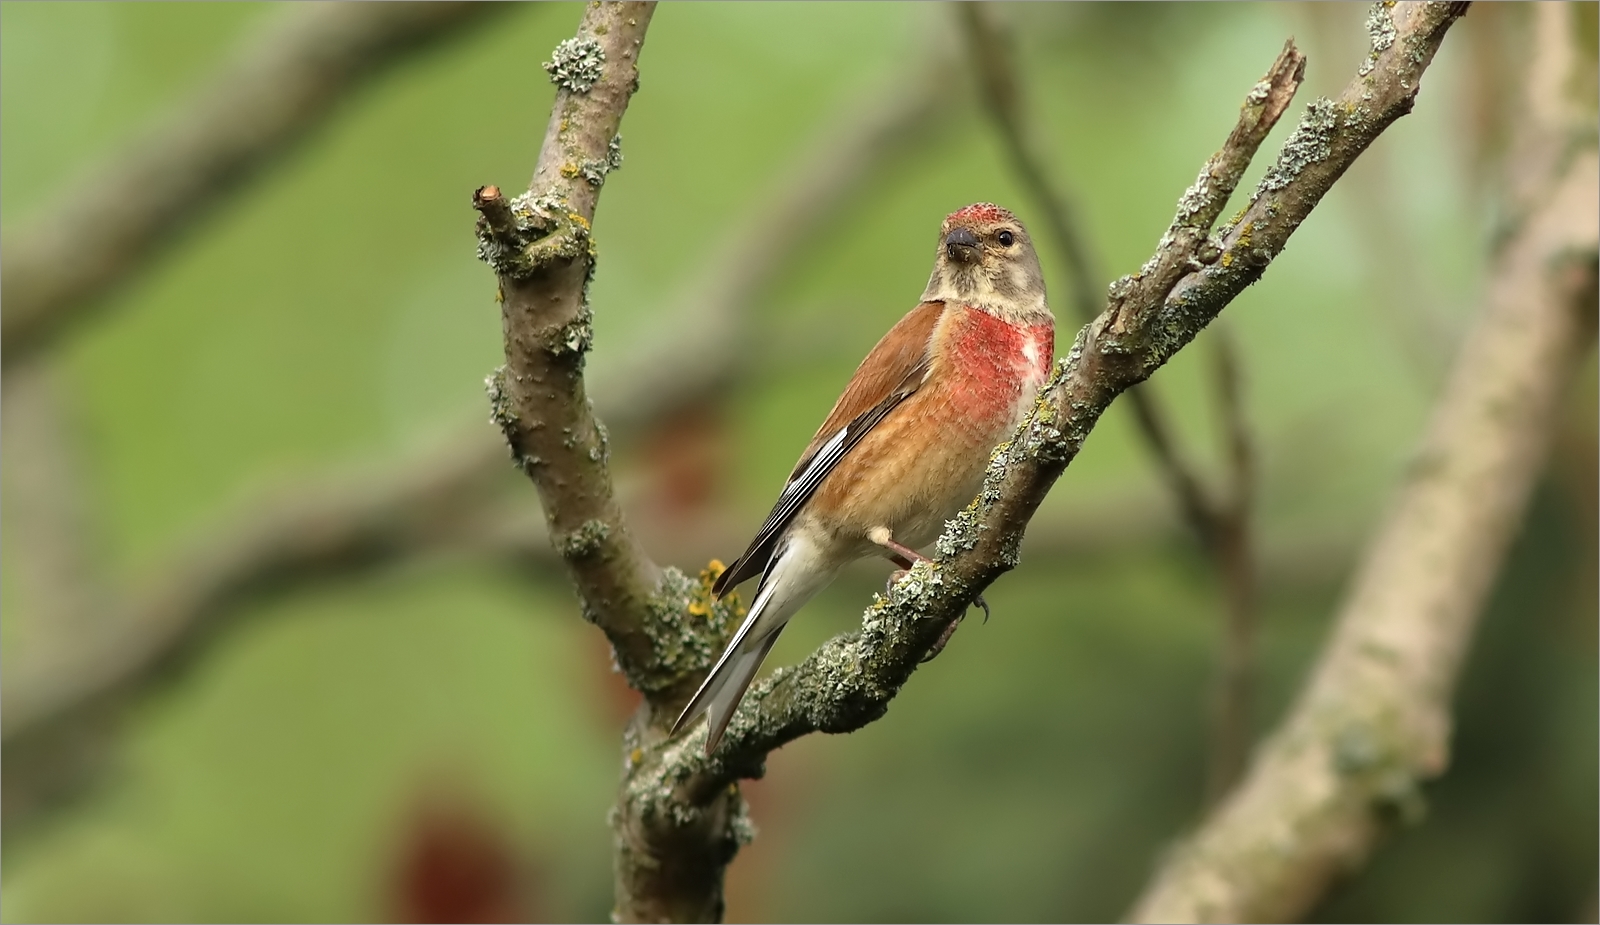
1006,239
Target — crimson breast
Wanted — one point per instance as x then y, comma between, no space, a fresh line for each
997,366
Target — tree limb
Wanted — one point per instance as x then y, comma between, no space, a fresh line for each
540,247
1373,721
283,85
673,794
1219,520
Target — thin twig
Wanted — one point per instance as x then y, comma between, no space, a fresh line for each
671,787
1219,520
283,85
1373,721
1233,691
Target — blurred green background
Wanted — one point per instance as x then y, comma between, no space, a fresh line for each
454,705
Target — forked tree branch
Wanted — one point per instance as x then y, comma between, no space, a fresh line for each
1373,722
283,85
675,798
679,819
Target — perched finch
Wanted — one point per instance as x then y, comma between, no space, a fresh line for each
906,446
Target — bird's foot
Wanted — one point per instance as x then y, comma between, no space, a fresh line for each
944,637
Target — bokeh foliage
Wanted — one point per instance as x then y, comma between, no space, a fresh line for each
335,314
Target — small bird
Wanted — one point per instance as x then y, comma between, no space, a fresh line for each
905,447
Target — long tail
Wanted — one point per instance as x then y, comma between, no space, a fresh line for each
790,580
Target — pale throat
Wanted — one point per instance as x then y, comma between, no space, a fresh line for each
1010,300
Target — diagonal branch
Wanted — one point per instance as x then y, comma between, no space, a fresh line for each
1219,520
850,680
1373,722
282,86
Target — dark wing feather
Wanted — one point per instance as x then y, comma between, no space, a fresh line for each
890,374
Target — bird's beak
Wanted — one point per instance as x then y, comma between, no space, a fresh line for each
961,245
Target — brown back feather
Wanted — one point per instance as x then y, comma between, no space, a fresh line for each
891,371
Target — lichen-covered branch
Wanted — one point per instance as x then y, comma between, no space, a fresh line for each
663,626
282,85
540,246
1373,722
672,787
1219,519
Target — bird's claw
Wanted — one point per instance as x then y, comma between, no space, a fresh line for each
944,637
941,642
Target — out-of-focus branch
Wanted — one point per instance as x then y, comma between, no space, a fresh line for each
1374,719
1219,519
673,786
283,85
1237,562
57,598
339,524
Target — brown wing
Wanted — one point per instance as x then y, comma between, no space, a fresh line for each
892,371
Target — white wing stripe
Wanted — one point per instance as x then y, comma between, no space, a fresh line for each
828,449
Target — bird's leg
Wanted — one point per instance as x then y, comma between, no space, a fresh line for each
905,557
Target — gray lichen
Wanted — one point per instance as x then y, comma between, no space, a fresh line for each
585,541
595,171
687,626
573,338
1310,142
577,64
1381,32
1194,199
741,828
601,451
501,413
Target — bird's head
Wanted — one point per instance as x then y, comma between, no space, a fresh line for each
986,260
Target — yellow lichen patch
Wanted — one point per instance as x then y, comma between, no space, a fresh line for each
1227,259
570,171
579,220
636,756
699,608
